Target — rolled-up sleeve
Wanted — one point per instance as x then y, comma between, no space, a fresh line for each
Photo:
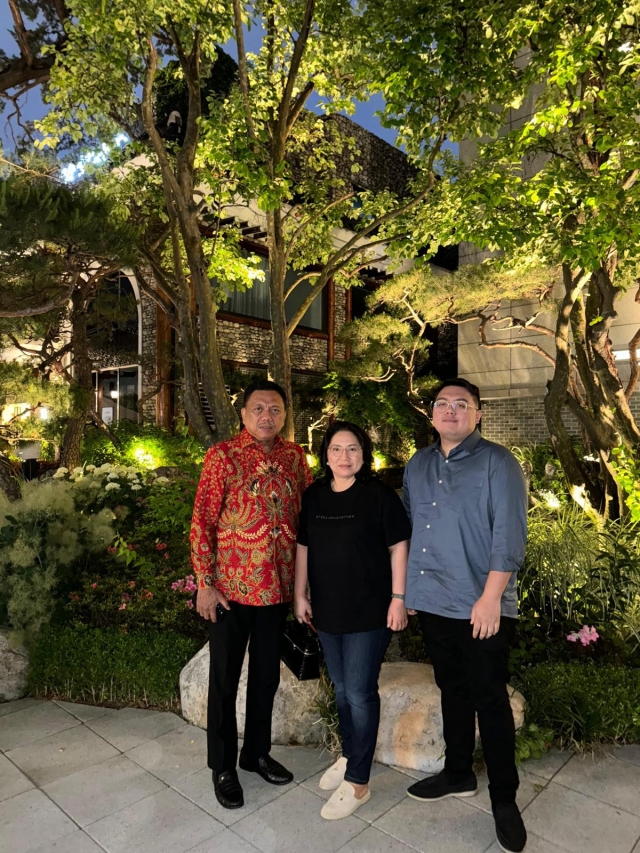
509,502
206,512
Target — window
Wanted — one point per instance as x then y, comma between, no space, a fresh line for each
116,394
254,302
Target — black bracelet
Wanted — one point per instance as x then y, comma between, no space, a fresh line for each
397,595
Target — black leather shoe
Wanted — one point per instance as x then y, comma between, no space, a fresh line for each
440,787
270,770
228,789
510,831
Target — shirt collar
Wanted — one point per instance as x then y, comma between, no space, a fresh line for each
465,447
247,440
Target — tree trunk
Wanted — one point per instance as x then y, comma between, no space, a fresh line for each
81,388
8,481
280,359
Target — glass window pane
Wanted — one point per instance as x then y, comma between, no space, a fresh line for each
313,318
108,396
128,395
254,301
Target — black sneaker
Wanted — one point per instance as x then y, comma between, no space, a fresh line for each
510,831
439,788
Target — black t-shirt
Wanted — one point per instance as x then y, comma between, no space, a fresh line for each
348,535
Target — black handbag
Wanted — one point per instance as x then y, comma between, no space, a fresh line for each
300,651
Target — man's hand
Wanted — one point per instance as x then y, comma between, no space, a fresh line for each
397,615
207,600
411,611
302,610
485,617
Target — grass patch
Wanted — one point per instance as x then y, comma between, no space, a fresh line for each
583,703
106,666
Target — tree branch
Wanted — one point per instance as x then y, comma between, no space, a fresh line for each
243,70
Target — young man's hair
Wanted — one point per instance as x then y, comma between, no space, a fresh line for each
366,472
264,385
459,382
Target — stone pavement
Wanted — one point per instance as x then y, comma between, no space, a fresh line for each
82,779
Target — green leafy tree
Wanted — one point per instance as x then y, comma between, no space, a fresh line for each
556,193
58,247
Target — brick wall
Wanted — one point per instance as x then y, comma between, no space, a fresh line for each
514,421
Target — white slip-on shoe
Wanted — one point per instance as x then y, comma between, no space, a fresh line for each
343,802
332,777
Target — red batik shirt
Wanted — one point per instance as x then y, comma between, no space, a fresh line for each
245,519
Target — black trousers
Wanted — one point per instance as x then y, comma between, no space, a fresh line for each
472,676
261,627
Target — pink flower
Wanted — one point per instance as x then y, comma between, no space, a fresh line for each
587,634
123,606
177,584
161,546
132,584
190,586
148,594
126,596
94,585
112,550
189,604
166,556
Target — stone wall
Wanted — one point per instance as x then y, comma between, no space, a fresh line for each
148,357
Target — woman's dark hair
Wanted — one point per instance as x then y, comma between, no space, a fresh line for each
366,472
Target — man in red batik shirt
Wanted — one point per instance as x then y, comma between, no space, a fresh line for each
243,541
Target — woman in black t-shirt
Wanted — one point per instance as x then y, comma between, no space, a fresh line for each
352,553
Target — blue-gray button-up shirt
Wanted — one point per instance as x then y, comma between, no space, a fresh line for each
469,517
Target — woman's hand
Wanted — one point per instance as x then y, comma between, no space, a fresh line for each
302,609
397,615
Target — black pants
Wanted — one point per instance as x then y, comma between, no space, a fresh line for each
472,676
262,628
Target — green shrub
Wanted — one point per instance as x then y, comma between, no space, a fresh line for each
107,665
146,446
583,703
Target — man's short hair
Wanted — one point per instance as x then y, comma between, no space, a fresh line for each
459,382
264,385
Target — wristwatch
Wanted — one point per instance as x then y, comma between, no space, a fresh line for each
397,595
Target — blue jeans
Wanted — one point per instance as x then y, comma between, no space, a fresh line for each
354,662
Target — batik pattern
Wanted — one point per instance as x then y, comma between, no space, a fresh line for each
245,519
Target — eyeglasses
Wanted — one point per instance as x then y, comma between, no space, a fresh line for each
457,406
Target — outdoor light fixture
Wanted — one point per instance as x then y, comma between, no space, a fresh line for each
44,413
113,394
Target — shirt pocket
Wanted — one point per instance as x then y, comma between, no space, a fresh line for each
465,497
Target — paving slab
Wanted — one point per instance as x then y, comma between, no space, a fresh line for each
12,780
629,752
534,845
61,754
96,792
448,826
162,823
77,842
372,840
198,787
130,727
292,823
604,778
27,819
530,787
579,823
19,705
84,712
302,761
388,788
551,763
175,755
32,723
225,842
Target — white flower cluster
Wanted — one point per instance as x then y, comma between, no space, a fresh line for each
110,478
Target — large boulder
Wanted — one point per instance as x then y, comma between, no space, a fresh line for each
295,719
14,664
410,733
